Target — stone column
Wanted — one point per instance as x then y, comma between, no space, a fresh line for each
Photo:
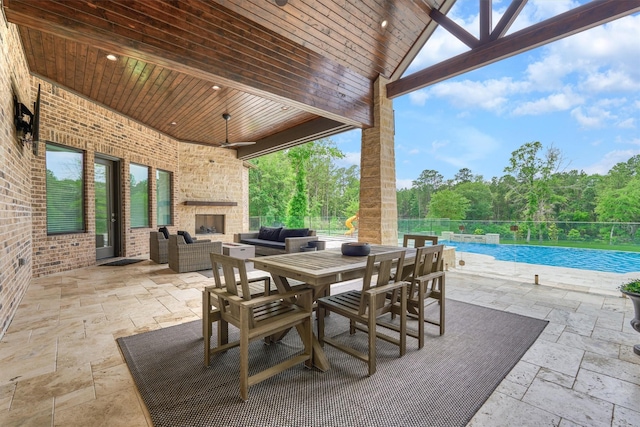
378,221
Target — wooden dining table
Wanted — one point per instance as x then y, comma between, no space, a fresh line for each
319,270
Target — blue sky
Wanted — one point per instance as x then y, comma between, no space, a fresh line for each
580,94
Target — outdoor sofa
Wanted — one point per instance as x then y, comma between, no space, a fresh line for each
277,240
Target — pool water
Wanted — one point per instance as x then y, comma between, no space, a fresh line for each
585,259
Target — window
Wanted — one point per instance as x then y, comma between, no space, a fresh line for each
139,195
65,190
163,197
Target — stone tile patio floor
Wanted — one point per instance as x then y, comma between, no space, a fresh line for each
60,364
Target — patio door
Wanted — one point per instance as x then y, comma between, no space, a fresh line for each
107,208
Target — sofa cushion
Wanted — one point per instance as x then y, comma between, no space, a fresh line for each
269,233
186,236
265,243
165,231
292,232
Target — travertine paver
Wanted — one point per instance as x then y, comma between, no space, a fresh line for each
61,366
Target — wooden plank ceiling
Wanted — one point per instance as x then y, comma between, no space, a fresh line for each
285,73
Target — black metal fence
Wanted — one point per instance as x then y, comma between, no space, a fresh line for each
611,233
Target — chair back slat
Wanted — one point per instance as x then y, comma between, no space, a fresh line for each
380,271
429,259
418,240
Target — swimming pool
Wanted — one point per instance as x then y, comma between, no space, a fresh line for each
585,259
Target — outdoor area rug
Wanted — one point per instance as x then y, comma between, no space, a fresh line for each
444,384
121,262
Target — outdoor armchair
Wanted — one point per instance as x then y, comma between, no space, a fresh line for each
158,247
184,257
367,305
257,317
426,281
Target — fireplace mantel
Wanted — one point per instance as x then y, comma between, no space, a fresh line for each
208,203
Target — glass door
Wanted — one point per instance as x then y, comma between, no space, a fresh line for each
107,218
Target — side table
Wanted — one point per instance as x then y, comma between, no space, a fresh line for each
239,250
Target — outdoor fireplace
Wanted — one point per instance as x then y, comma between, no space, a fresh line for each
209,224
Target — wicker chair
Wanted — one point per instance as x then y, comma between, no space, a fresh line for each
184,257
158,247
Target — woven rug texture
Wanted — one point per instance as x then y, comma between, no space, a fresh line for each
444,384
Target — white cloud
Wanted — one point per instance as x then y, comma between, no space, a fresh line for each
350,159
590,62
629,123
414,151
603,166
468,147
403,183
419,97
488,94
436,145
548,73
593,117
610,81
552,103
539,10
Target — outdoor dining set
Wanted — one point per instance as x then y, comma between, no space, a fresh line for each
395,284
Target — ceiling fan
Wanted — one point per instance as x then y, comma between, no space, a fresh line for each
226,143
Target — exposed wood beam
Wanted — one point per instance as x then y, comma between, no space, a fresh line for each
579,19
460,33
422,39
318,85
485,20
507,19
306,132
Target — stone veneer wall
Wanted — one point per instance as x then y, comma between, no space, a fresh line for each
378,200
15,178
74,121
216,176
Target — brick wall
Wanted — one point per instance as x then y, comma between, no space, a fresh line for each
76,122
15,179
73,121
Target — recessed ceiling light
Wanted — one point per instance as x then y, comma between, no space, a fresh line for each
112,57
284,107
215,87
383,24
173,123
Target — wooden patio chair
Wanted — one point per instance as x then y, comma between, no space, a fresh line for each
419,240
427,280
256,317
367,305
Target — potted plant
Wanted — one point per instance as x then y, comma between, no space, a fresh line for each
632,290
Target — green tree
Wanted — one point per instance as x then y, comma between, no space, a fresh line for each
271,186
298,208
322,177
533,173
620,205
480,199
448,204
425,185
